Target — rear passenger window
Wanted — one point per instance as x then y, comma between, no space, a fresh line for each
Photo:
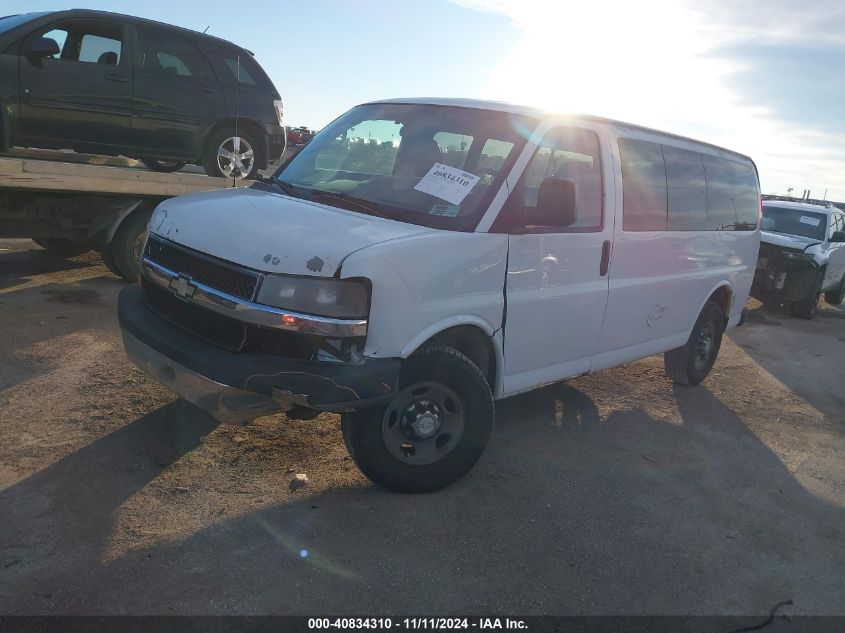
570,154
453,148
687,201
170,54
733,200
643,186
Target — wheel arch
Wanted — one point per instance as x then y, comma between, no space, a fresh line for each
723,294
471,336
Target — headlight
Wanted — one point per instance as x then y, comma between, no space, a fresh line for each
322,297
280,110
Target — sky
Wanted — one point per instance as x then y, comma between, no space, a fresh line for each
761,78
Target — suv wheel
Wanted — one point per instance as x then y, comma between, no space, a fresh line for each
163,166
433,431
231,155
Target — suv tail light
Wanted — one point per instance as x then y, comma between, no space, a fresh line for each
279,105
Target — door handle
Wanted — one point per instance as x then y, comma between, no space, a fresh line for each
605,258
116,77
206,89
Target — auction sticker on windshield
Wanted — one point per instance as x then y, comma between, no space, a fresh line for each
806,219
447,183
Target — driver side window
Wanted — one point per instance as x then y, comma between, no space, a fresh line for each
567,154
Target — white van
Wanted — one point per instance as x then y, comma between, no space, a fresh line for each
419,259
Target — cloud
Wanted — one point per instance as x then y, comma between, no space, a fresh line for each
761,81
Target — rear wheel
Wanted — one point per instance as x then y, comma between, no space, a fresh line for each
163,166
834,297
689,365
126,246
233,155
433,431
65,248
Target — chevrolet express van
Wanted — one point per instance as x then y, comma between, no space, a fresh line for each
420,259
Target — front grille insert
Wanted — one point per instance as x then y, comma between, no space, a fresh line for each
202,268
212,327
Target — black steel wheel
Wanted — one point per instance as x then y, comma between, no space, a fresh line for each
432,432
691,363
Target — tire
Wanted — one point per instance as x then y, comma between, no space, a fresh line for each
163,166
223,141
806,308
63,248
459,419
689,365
834,297
125,247
108,260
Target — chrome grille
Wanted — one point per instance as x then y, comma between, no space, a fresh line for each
202,268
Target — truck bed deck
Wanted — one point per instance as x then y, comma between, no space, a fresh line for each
56,171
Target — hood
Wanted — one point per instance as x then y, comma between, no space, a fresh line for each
272,232
788,241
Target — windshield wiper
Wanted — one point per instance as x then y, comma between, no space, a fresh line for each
317,193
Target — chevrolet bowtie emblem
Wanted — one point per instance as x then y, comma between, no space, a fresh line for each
183,287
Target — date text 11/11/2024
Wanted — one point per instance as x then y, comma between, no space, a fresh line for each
419,624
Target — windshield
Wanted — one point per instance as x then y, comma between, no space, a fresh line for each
794,222
430,165
11,21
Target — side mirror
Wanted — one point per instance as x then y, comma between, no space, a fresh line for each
44,47
838,236
555,204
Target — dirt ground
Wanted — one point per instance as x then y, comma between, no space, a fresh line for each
617,493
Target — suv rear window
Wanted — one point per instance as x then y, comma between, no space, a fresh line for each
225,61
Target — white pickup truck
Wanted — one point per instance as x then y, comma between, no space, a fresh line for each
802,255
419,259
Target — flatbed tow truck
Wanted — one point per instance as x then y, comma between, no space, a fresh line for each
70,203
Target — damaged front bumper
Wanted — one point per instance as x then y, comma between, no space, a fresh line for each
784,274
238,387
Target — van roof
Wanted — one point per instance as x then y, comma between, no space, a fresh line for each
513,108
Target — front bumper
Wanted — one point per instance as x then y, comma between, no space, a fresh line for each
785,282
238,387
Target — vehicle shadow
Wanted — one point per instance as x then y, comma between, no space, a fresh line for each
49,313
59,519
787,347
568,512
19,267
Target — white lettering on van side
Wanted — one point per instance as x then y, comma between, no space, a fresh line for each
447,183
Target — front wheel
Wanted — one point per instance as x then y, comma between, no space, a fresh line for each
689,365
834,297
433,431
806,308
231,154
163,166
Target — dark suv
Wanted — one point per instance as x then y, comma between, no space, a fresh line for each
113,84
